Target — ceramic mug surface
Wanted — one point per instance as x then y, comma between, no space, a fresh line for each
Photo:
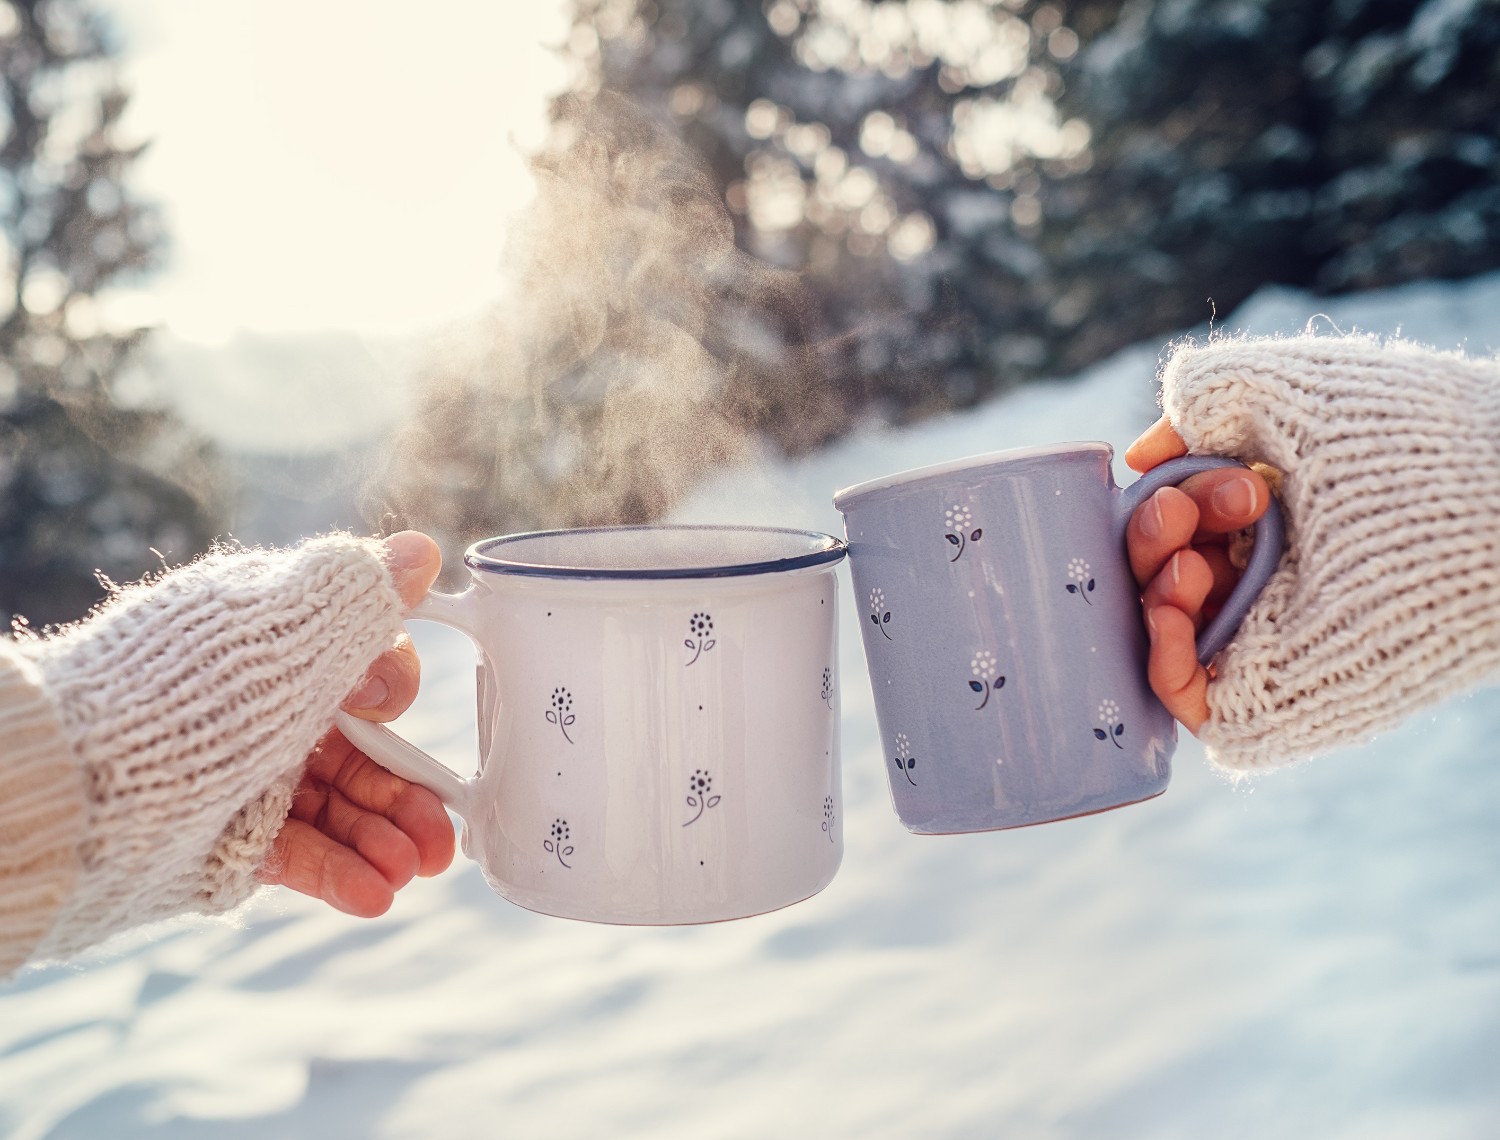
1003,633
658,721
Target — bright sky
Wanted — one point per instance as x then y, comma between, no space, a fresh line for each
334,164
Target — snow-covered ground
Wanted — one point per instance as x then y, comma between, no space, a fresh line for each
1316,953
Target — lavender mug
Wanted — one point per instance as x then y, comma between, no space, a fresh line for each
1003,634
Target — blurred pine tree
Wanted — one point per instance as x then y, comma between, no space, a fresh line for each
980,192
1332,145
92,475
862,209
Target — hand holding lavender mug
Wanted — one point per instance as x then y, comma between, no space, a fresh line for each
1003,633
1178,540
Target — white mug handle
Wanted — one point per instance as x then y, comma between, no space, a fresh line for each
401,756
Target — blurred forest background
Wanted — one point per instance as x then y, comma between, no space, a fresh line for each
759,225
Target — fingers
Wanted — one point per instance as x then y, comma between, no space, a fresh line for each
307,861
1157,444
1226,576
422,817
416,812
1180,683
1228,499
1202,509
356,834
1184,583
1176,542
414,560
389,686
1161,526
373,837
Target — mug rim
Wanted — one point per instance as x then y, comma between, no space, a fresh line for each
823,550
843,499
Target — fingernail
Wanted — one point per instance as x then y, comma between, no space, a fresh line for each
407,548
1176,569
1151,519
1235,497
370,695
1151,623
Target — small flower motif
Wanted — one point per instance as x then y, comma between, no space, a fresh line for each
828,817
903,759
701,628
957,518
699,785
558,844
987,679
1080,579
828,687
1109,715
879,614
561,712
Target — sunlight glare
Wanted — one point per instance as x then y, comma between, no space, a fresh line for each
339,165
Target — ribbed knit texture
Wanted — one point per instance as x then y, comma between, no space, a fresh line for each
190,703
1388,597
41,811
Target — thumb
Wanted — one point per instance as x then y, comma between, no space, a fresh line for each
414,561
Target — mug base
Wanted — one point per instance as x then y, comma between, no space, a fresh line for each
664,922
917,830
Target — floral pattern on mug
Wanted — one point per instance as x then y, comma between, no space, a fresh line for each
986,680
561,712
701,639
1109,714
903,759
1080,579
957,520
879,613
700,783
829,820
558,844
827,691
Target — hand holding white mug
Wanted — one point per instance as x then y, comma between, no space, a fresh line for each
658,721
356,833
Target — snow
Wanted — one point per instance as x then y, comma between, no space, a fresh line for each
1316,953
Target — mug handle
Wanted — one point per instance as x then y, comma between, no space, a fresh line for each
1270,534
401,756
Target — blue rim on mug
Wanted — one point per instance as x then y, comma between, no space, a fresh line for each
655,552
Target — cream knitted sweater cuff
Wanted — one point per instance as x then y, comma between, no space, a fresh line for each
41,811
189,704
1388,596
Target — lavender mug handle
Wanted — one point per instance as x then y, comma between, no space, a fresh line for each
1269,532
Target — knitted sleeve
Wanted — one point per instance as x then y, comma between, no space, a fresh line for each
1388,597
189,704
41,811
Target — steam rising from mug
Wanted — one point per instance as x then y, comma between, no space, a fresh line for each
641,348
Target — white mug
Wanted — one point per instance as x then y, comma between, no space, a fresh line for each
658,721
